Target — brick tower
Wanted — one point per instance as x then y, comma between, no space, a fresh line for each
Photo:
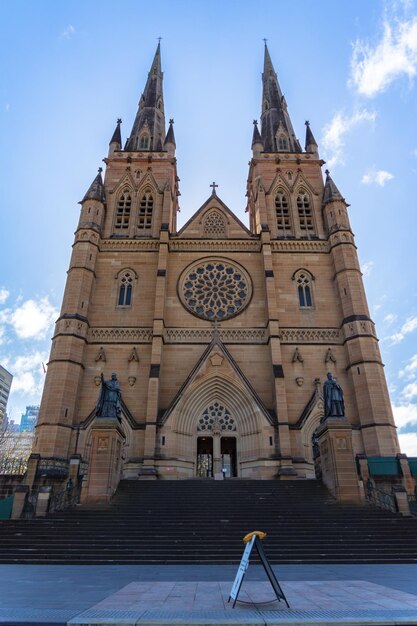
220,335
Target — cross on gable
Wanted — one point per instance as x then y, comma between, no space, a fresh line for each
213,186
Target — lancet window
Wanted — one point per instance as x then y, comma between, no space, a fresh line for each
283,215
144,142
145,211
125,289
305,214
123,208
282,143
304,290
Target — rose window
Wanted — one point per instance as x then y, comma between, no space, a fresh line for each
215,290
216,417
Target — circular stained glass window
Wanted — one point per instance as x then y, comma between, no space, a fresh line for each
215,289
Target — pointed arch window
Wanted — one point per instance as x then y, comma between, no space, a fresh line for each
305,214
124,296
144,142
283,215
123,208
145,211
282,143
303,281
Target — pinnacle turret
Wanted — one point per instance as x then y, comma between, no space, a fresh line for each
331,192
170,138
148,131
311,143
117,136
277,131
96,189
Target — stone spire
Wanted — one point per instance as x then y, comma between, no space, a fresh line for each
311,143
277,131
148,131
331,192
170,138
116,140
117,136
96,190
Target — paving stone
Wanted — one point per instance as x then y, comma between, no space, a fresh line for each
111,617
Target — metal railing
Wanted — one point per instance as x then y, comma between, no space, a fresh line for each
412,503
65,498
380,498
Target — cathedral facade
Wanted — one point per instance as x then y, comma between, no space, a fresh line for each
220,334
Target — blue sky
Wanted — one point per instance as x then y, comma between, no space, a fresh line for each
70,69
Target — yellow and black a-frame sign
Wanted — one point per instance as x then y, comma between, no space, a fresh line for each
254,539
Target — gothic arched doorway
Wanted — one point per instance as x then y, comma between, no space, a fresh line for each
216,442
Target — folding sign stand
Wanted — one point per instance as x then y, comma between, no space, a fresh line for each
244,564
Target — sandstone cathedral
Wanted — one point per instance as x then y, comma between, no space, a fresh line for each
217,336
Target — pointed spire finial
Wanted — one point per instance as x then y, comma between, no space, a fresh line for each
331,192
213,185
159,39
255,122
264,40
171,121
327,172
100,169
119,120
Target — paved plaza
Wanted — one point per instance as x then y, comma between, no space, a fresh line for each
340,594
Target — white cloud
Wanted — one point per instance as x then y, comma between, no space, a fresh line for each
379,177
68,32
409,326
373,69
410,391
408,443
28,376
390,318
405,414
367,268
410,369
4,294
32,319
334,132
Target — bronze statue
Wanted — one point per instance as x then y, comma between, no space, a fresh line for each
108,403
334,404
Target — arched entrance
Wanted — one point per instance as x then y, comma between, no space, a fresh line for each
216,442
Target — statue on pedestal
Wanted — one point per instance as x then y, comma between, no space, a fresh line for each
334,404
108,403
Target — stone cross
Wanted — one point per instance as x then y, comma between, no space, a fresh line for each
213,185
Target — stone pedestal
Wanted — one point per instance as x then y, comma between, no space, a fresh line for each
408,479
105,462
20,494
337,461
43,501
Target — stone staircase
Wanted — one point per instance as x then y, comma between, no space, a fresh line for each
204,521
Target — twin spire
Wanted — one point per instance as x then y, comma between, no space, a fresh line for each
148,131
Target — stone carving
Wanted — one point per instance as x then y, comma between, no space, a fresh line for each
108,403
131,244
214,224
240,245
334,404
329,356
216,418
120,335
133,356
132,380
297,356
195,335
216,359
101,355
299,246
300,381
310,335
215,290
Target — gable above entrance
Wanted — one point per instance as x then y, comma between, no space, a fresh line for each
214,220
216,377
